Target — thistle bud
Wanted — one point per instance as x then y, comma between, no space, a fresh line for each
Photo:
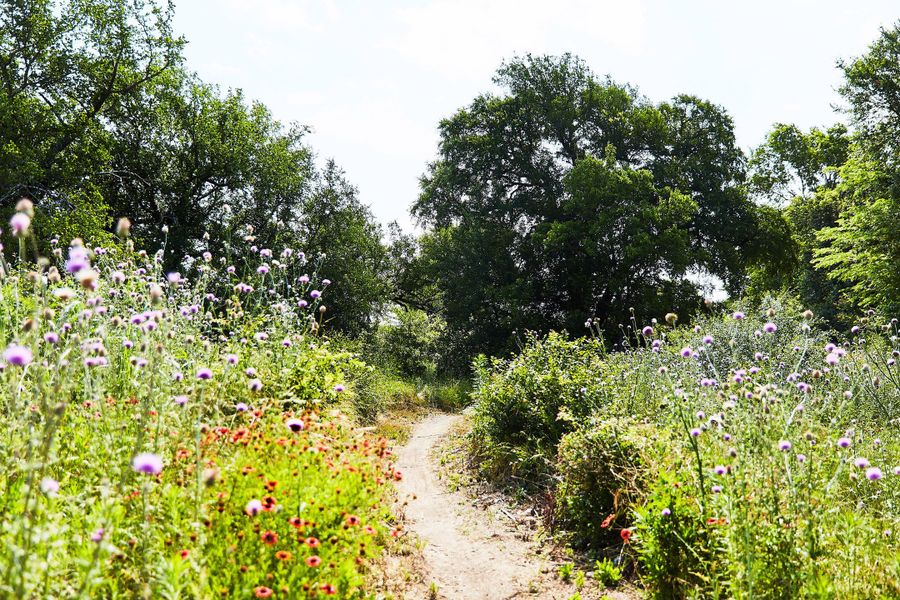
25,206
123,228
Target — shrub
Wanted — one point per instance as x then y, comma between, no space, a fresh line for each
775,472
407,344
672,539
602,471
524,405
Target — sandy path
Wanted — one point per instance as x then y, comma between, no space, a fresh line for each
467,556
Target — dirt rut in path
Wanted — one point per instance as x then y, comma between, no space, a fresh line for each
467,556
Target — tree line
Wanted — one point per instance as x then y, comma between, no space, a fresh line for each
565,198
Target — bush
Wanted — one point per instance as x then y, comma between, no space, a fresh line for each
408,344
602,471
448,395
672,540
525,405
374,392
775,467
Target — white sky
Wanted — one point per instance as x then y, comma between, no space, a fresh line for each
374,77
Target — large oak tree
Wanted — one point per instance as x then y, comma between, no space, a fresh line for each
569,197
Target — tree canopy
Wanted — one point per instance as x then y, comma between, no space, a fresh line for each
571,197
840,190
100,119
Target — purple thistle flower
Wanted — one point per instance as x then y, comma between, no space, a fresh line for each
97,535
873,473
665,512
254,507
844,442
19,224
339,388
295,425
861,463
255,385
770,327
738,316
695,432
50,486
784,445
78,259
720,470
51,337
801,458
687,352
707,339
241,407
647,331
716,489
315,294
231,359
19,356
147,463
204,374
181,400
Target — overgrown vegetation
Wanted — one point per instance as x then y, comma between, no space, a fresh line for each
173,417
751,455
161,440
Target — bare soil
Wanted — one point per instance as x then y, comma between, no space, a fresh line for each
466,552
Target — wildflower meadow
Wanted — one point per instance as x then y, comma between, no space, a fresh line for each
750,455
172,435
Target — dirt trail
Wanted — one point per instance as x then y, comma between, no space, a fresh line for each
467,556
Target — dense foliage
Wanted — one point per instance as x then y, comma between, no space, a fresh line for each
100,118
841,193
749,456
